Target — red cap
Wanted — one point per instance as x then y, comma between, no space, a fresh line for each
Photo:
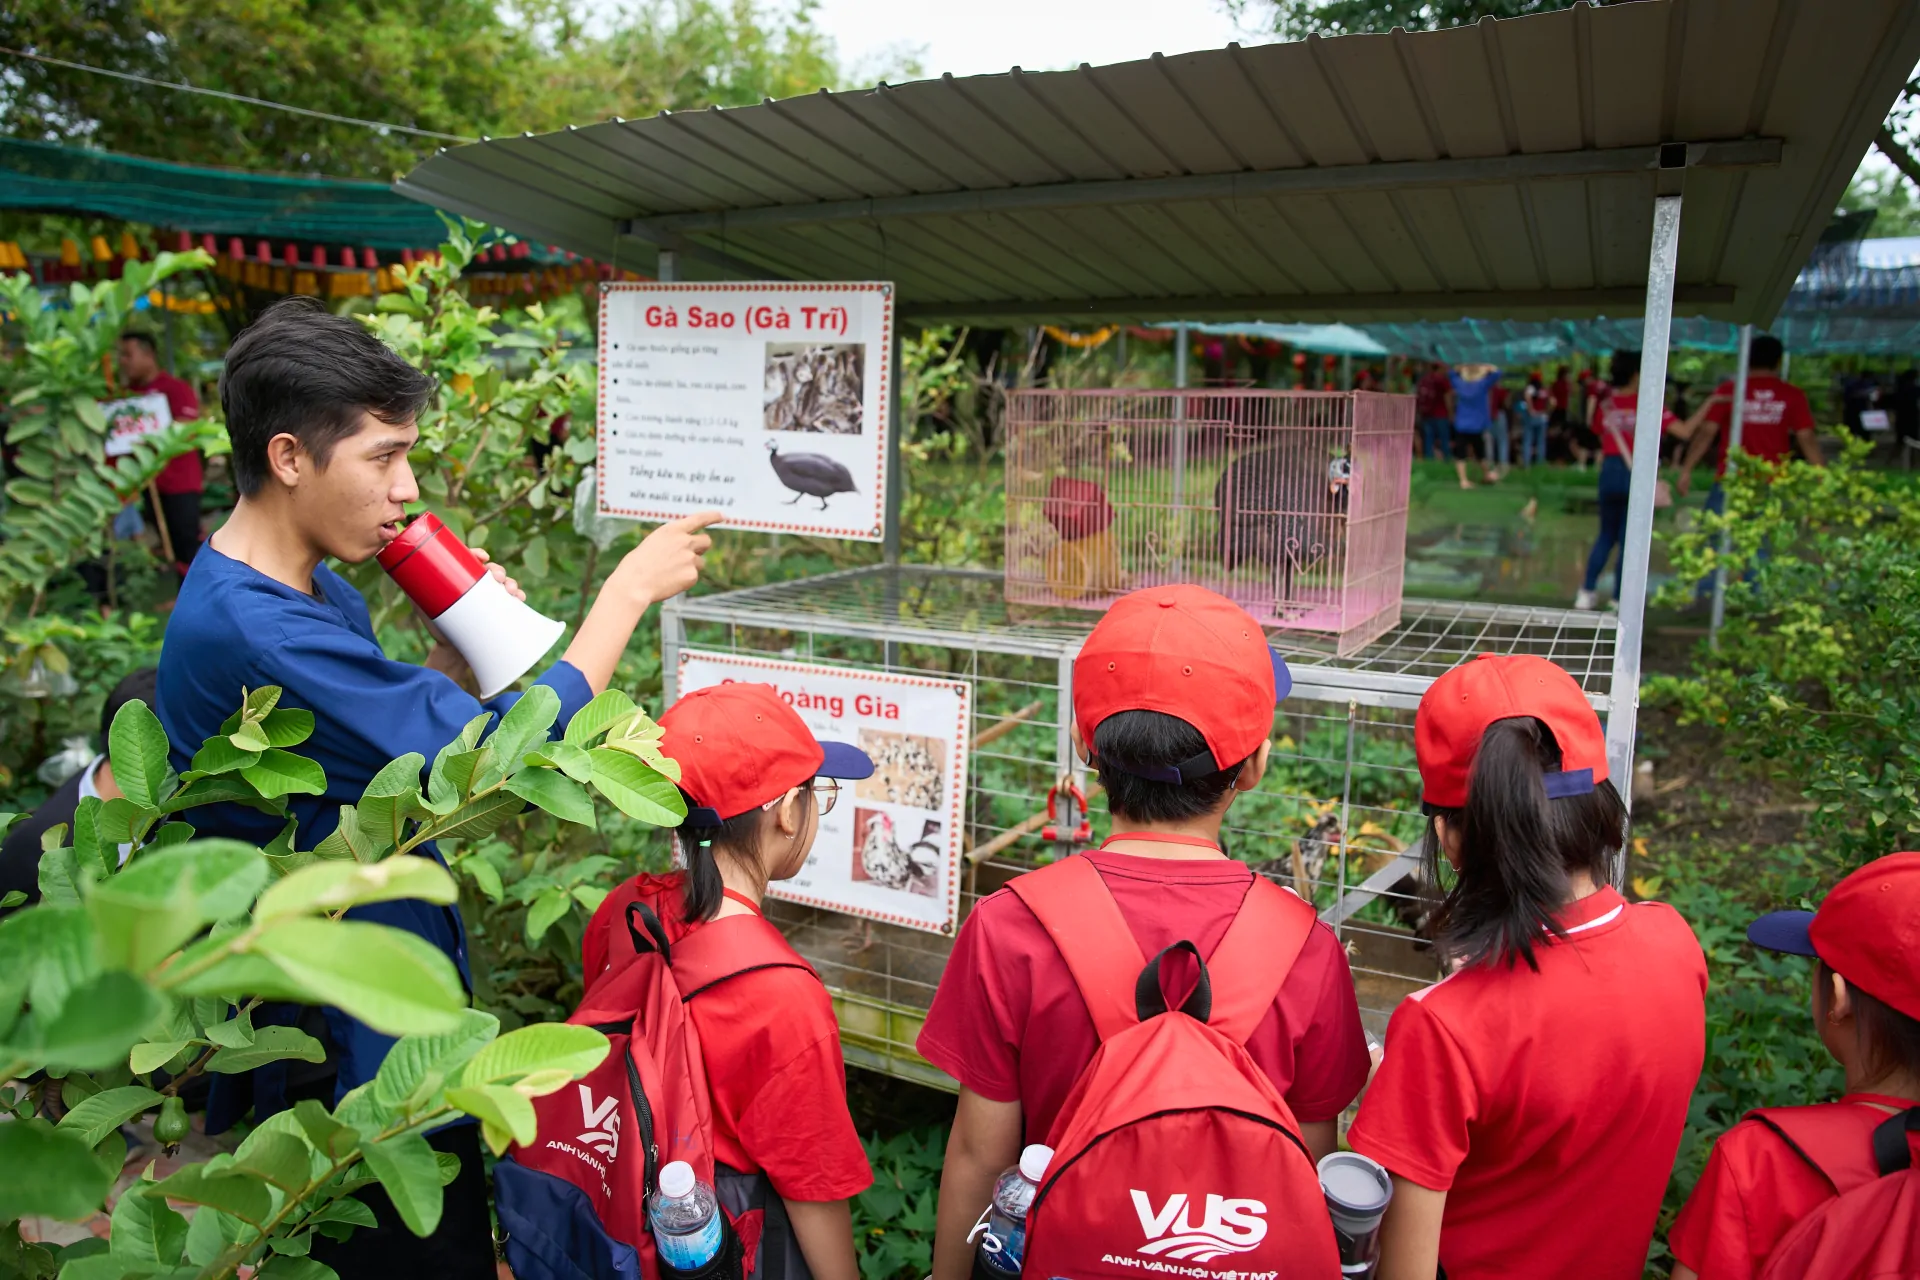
740,746
1459,706
1867,931
1187,652
432,566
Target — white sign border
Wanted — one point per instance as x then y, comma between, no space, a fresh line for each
885,426
956,793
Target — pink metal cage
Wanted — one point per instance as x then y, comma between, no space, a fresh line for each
1293,503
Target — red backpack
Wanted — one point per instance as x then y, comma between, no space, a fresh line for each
573,1203
1870,1230
1173,1152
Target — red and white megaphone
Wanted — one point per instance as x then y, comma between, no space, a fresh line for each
500,637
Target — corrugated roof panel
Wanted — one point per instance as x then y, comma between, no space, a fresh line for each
1290,76
1460,88
1506,167
1628,92
1220,91
1543,71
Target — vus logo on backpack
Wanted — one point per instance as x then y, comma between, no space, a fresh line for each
602,1121
1171,1113
1230,1226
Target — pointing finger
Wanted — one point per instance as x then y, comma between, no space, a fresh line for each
698,520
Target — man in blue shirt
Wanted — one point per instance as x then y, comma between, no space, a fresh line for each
1472,414
321,416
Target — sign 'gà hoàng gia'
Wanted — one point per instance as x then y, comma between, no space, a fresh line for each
890,850
766,401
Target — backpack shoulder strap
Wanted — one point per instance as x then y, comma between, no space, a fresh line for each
1825,1139
1078,912
1251,963
726,948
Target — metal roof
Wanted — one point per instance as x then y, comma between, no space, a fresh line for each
1502,169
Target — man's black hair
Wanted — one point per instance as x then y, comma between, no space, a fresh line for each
1766,353
300,370
144,338
1625,365
135,685
1128,741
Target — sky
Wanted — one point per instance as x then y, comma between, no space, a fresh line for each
1040,35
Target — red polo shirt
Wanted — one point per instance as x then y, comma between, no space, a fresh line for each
1756,1188
1549,1105
1008,1022
1776,409
1430,395
774,1069
1614,421
185,473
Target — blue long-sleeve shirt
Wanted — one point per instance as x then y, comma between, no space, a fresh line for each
234,628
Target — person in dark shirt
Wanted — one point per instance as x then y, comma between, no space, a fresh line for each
20,853
181,482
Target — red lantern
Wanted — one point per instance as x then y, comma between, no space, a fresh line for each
211,245
348,261
263,251
367,256
235,249
291,257
186,242
406,256
319,257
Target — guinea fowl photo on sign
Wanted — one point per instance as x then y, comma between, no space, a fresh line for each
815,387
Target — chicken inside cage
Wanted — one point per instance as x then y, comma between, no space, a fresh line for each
1293,504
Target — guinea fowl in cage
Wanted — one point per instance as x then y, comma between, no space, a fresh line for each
1084,561
1281,508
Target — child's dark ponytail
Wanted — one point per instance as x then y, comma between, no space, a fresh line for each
1517,846
704,889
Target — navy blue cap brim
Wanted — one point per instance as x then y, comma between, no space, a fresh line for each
845,761
1282,678
1783,931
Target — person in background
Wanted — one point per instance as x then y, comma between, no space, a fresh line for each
1536,410
1613,422
1530,1105
181,482
1584,444
322,417
1762,1178
1173,702
1775,422
1500,426
1433,405
20,853
1559,415
1473,386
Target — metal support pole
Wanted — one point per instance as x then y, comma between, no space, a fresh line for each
1733,460
668,270
1177,507
1346,817
672,637
1346,371
1623,720
896,428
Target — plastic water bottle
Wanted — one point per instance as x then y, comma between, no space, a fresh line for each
685,1219
1007,1220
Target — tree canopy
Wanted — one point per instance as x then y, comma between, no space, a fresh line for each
461,67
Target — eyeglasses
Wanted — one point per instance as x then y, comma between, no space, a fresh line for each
825,792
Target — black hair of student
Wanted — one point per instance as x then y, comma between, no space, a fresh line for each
302,371
1518,847
141,685
701,847
1625,365
144,338
1766,353
1889,1040
1153,740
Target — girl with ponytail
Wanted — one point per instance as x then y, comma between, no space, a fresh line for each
1530,1104
757,785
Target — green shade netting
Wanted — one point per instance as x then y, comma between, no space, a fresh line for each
46,177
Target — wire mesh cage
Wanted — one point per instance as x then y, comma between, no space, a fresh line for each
1291,503
1337,816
